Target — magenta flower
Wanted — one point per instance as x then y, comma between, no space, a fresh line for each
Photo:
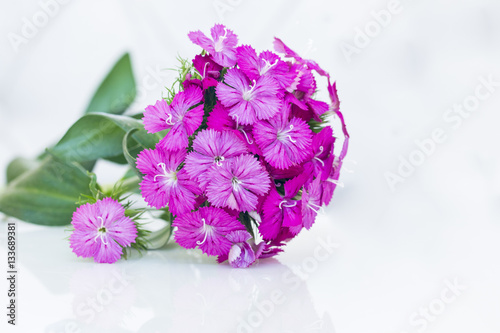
311,202
283,142
238,184
322,144
282,211
248,102
220,120
182,117
212,149
208,70
163,184
242,253
266,64
206,229
221,47
101,231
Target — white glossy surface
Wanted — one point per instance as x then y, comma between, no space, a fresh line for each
396,252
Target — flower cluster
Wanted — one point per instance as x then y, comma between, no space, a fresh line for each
247,147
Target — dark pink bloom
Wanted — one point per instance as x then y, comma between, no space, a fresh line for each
208,70
248,102
322,145
163,184
282,211
238,183
311,202
211,150
283,142
221,47
266,64
220,120
206,229
101,231
182,117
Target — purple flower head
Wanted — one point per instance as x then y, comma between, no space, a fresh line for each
283,142
163,185
330,178
311,202
282,211
208,70
101,231
206,229
178,117
221,47
220,120
266,64
211,150
242,254
248,102
237,184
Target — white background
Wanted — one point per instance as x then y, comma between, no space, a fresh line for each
397,249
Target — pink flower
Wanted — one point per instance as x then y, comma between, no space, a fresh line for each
212,149
163,184
242,253
283,142
247,102
266,64
322,145
182,117
238,184
206,229
282,211
101,231
221,47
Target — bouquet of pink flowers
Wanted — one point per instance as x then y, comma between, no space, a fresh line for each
243,152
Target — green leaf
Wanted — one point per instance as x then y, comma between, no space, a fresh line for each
18,166
117,91
47,194
100,135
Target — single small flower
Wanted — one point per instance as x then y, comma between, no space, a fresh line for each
266,64
182,117
221,47
248,101
238,184
282,211
163,184
206,229
208,70
242,253
283,142
102,231
212,149
311,202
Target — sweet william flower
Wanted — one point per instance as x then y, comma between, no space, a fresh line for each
238,183
206,229
221,47
183,116
311,202
211,149
248,101
242,253
101,231
208,70
163,184
283,142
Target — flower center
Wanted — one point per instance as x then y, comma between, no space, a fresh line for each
284,134
218,160
248,95
205,229
288,203
169,176
267,66
236,182
218,44
101,231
